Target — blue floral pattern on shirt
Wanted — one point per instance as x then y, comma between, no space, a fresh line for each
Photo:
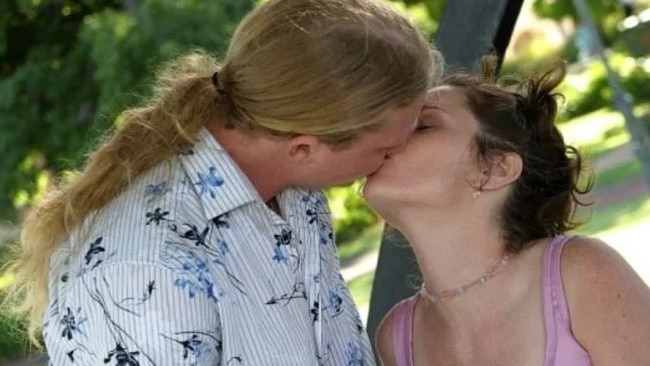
189,267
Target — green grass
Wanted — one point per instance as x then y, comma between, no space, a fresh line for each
590,129
598,132
614,217
617,138
591,126
617,174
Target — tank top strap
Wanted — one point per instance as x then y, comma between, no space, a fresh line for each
402,336
556,313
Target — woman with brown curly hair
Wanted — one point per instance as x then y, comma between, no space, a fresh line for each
485,192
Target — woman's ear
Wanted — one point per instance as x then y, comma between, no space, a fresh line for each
503,170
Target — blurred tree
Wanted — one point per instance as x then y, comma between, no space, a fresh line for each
560,9
435,7
426,13
607,12
67,68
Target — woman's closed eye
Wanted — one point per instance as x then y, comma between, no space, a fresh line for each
429,119
426,126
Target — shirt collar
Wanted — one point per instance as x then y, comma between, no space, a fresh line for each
215,177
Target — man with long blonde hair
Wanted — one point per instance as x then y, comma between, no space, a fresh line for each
197,232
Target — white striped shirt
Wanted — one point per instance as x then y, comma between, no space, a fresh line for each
190,267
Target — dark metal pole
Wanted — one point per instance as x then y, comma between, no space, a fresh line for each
469,29
623,101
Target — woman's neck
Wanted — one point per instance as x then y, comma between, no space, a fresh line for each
453,250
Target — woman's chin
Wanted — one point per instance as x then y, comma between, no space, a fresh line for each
375,201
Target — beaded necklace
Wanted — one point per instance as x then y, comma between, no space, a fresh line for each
494,270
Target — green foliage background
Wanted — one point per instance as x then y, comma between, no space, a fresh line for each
67,69
607,12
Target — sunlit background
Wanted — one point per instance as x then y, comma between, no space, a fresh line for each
69,67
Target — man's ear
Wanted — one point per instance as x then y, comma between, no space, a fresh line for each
302,148
502,170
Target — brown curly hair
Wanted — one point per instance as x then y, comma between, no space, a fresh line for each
520,117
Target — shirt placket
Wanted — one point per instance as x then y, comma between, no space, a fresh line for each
312,282
311,271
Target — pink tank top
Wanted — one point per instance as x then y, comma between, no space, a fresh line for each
561,347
